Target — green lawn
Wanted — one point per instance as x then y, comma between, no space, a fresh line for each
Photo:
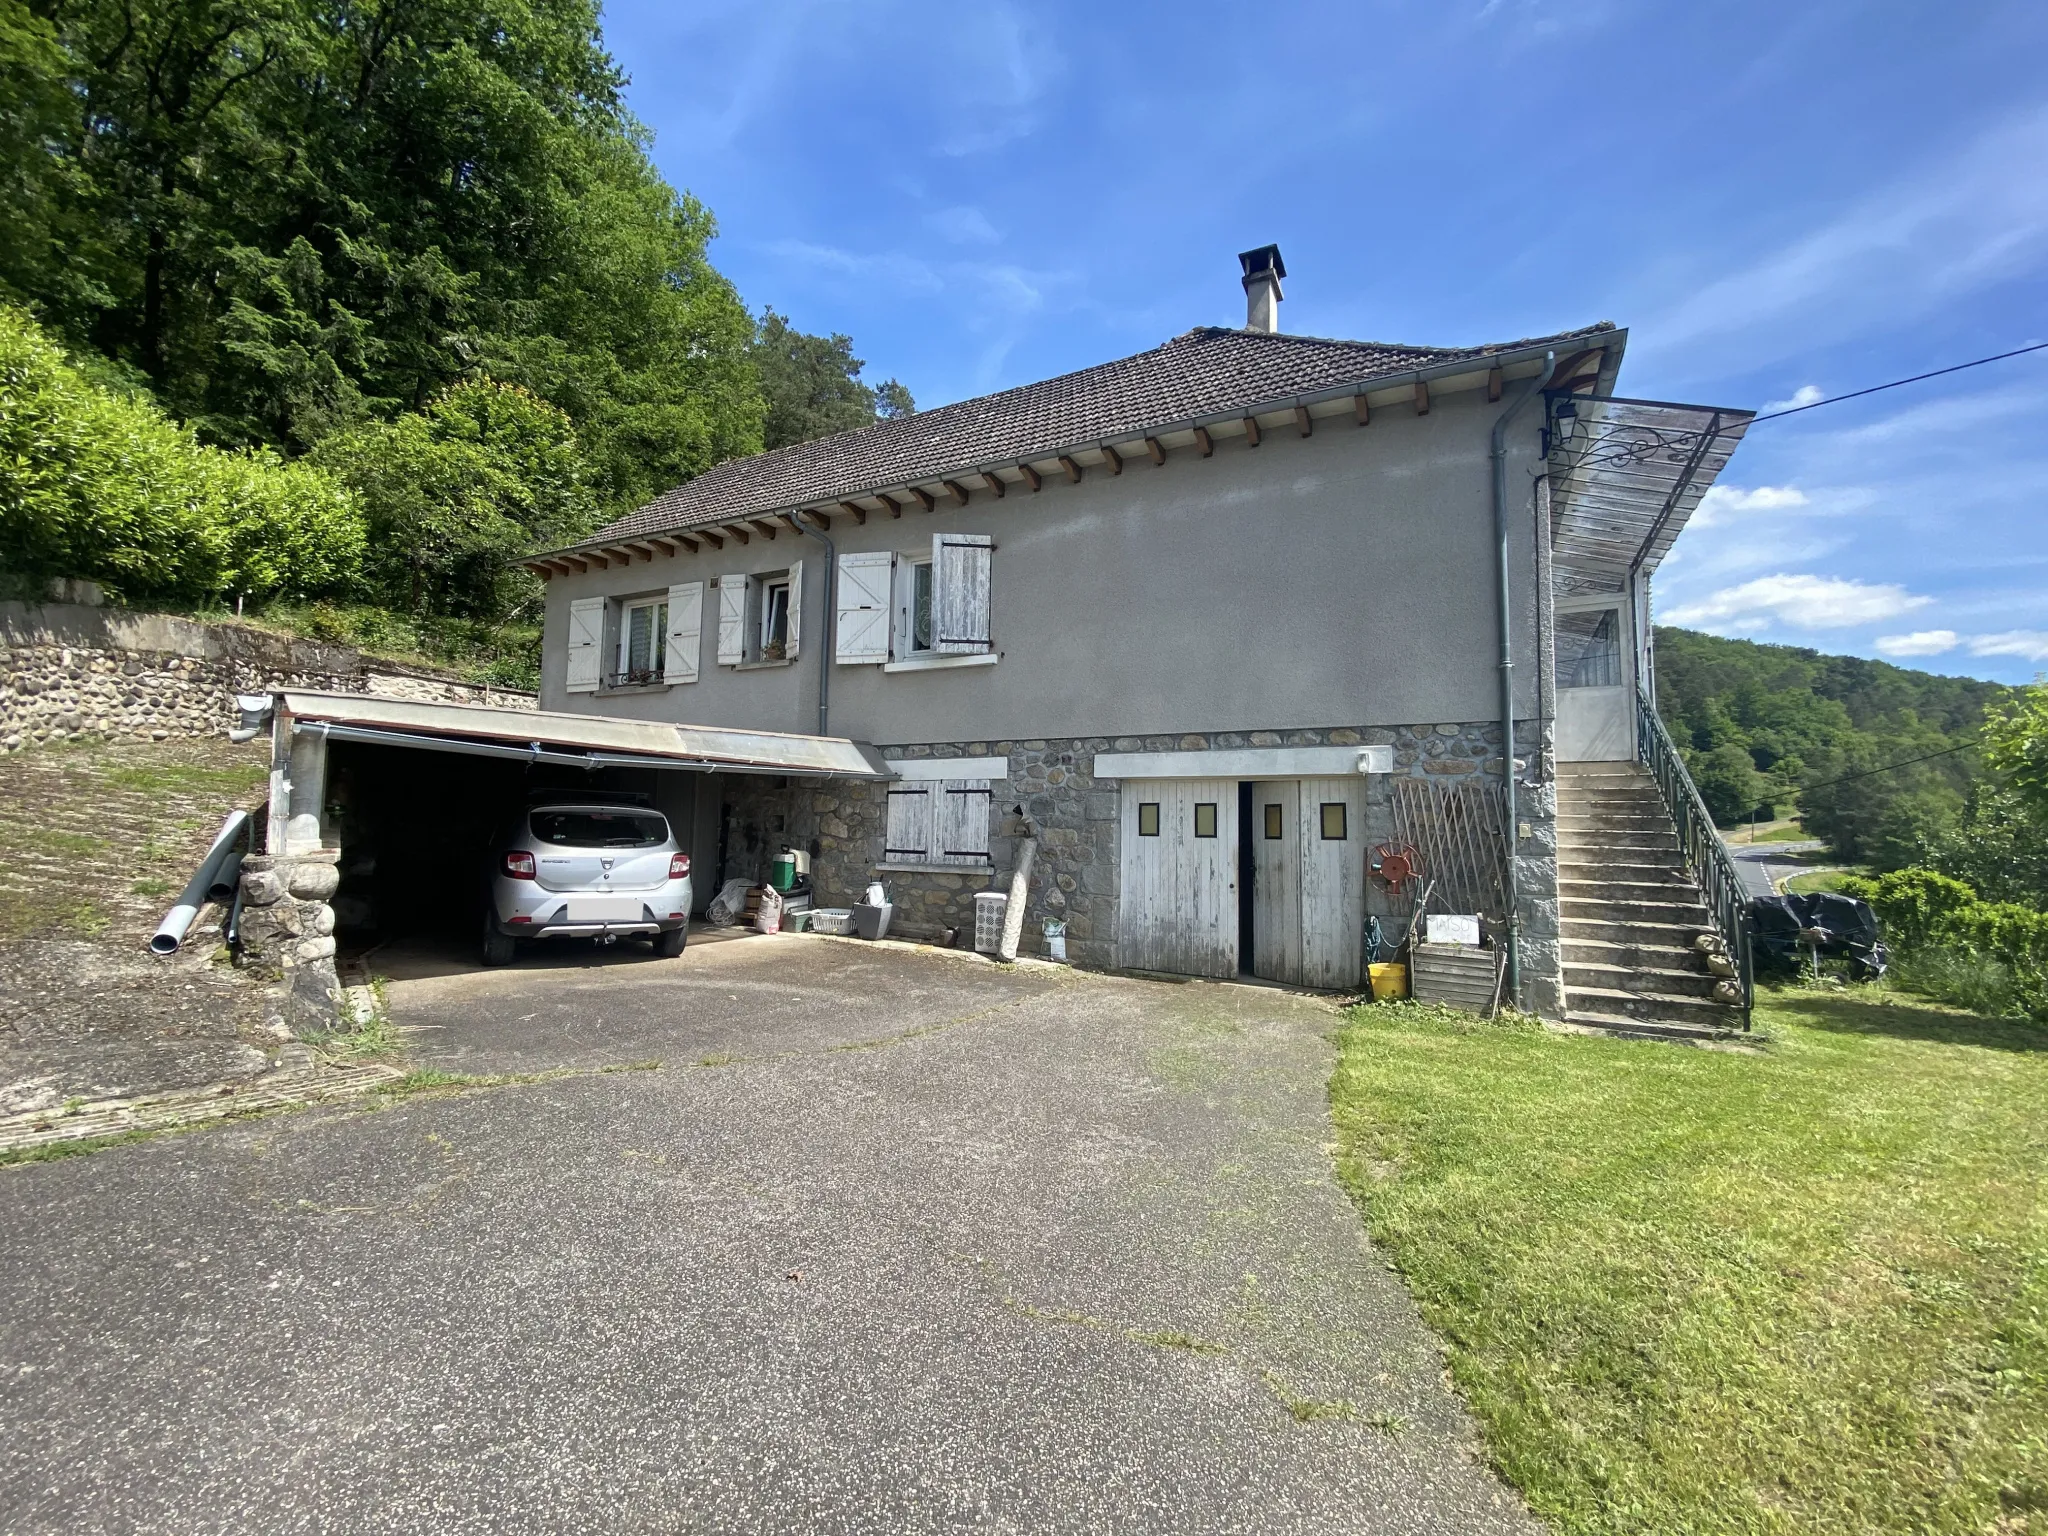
1695,1291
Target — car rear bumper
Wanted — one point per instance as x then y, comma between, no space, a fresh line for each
522,910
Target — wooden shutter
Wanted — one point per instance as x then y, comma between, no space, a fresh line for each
863,609
586,643
796,608
732,620
908,837
961,817
960,572
685,632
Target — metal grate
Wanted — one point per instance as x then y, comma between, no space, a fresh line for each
1457,828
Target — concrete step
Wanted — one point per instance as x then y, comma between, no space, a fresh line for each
1687,914
1619,768
1634,829
1593,1022
1598,928
1656,981
1607,802
1571,865
1652,1007
1665,890
1657,952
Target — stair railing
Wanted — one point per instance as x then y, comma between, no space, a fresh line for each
1706,856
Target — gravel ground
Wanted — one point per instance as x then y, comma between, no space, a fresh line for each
938,1246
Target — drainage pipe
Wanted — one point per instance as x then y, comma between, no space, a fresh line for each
170,933
831,625
1511,833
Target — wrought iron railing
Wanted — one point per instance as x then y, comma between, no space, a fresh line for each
1705,854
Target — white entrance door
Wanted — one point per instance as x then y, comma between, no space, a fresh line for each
1308,863
1178,909
1596,715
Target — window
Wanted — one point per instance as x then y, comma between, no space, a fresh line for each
938,821
913,610
643,640
1589,649
600,829
1148,818
1335,821
1205,818
774,610
920,607
1275,824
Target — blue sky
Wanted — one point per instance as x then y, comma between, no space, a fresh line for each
1774,199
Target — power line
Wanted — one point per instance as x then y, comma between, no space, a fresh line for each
1814,405
1888,767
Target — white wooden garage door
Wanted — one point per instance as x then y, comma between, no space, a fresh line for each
1308,852
1178,909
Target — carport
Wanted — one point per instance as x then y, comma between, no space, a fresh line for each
408,797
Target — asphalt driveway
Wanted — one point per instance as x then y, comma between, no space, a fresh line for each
920,1245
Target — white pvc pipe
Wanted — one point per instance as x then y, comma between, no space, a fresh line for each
170,933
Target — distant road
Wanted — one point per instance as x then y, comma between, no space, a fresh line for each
1762,864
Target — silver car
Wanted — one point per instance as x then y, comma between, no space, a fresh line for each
576,870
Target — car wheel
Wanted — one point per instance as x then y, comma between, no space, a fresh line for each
670,942
499,948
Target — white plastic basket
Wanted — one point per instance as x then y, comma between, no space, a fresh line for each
990,907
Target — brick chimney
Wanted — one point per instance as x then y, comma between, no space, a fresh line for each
1263,270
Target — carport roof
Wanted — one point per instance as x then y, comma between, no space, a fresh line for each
601,740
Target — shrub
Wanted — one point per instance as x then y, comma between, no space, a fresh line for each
101,484
1914,903
1953,946
1960,976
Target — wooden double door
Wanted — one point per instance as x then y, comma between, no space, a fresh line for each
1191,859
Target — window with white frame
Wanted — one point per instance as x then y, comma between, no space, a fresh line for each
760,617
917,609
643,640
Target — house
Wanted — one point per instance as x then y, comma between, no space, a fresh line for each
1242,629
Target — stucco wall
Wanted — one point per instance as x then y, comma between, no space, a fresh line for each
1351,573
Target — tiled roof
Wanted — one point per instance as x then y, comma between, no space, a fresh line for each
1205,373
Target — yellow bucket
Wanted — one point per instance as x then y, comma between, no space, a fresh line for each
1389,982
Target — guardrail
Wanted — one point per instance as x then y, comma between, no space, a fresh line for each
1705,854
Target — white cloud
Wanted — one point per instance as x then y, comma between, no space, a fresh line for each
1804,602
962,226
1722,500
1922,642
2027,644
1805,394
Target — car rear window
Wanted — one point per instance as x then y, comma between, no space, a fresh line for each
600,829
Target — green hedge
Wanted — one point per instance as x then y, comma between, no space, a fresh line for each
1924,911
102,485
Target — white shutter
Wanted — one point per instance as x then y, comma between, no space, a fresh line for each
586,640
907,839
732,620
796,608
685,632
863,608
960,572
961,818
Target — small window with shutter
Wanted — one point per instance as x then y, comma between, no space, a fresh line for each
938,821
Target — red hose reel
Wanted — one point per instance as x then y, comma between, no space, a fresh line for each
1396,864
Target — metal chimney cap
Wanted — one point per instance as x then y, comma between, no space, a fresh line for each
1264,259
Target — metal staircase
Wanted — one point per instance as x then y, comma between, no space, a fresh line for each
1633,906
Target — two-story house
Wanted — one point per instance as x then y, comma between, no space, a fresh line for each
1259,635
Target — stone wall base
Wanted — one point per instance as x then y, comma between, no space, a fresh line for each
286,934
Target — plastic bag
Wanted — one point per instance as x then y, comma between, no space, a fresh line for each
768,915
728,905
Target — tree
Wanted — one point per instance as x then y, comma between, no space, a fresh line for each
296,216
812,385
1728,782
2016,745
453,494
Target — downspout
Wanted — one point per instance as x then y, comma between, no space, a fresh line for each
1513,988
831,626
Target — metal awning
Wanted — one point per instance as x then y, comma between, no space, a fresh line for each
588,741
1624,477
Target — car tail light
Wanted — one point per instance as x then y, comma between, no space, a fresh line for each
678,865
519,865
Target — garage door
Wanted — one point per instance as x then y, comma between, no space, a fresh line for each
1178,909
1308,861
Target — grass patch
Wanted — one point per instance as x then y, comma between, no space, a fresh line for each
150,887
185,778
1689,1291
48,840
1820,880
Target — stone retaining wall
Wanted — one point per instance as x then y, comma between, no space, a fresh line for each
72,670
1075,815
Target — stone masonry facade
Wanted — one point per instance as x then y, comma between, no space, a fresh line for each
74,671
1076,818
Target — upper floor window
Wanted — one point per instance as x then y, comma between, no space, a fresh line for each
643,640
646,639
914,609
760,616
